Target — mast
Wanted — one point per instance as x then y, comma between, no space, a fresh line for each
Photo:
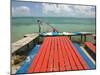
39,23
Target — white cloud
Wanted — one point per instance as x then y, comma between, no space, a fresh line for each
68,10
21,11
55,8
84,11
48,8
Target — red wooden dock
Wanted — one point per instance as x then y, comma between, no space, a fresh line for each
91,46
57,54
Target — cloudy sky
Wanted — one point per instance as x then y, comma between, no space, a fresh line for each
26,9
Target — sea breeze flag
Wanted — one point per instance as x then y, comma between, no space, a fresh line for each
63,40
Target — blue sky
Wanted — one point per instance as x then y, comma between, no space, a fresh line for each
26,9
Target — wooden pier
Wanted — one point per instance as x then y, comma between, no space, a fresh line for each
21,44
59,54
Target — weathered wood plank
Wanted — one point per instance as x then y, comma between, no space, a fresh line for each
19,44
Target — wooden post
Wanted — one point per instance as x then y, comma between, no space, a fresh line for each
39,22
70,37
85,38
81,38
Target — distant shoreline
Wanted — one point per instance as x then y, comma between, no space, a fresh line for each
53,17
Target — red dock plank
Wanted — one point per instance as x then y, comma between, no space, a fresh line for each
80,59
46,58
40,61
34,62
50,61
71,59
61,59
56,59
79,66
65,56
91,46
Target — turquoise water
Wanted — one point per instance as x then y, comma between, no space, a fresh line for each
25,25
